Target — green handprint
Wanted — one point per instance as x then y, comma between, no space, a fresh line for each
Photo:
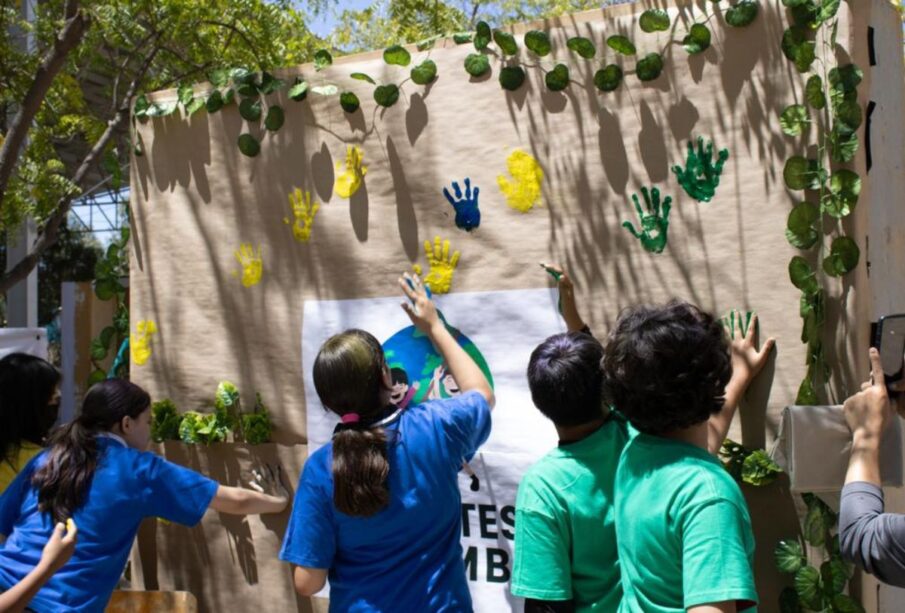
701,176
654,223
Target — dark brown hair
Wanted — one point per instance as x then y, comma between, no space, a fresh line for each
63,481
349,377
26,389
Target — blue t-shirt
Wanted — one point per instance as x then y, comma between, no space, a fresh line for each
407,557
128,486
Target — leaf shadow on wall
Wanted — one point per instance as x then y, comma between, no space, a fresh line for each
405,207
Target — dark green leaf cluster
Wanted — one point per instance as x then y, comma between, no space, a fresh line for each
753,467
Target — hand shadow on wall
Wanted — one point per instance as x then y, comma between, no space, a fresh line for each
405,208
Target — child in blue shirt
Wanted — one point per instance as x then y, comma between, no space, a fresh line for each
96,472
378,508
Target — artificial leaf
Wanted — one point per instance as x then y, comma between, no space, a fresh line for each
219,77
789,556
759,470
462,38
649,67
845,189
512,77
817,522
386,95
843,145
194,106
425,72
107,334
806,396
801,173
185,94
506,42
813,92
798,48
808,586
843,603
698,39
397,55
835,575
538,42
214,101
249,145
848,116
621,44
805,14
795,120
654,20
349,101
582,46
828,10
742,14
140,109
322,59
802,275
609,78
299,91
483,36
97,351
270,84
360,76
847,77
558,78
843,257
275,118
476,64
229,96
250,109
801,229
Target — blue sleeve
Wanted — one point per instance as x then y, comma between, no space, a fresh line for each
310,539
173,492
466,422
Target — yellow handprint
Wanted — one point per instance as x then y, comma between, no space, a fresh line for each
349,180
442,267
303,210
140,341
251,263
524,191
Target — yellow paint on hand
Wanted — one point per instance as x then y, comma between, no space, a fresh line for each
70,525
140,341
442,266
303,210
252,264
349,180
523,192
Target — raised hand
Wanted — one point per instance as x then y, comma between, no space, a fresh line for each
701,175
442,266
523,192
349,180
747,360
269,480
654,223
252,264
468,216
303,211
420,308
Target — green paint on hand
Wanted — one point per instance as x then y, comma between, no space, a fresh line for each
654,223
701,175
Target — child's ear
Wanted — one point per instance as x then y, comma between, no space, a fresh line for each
125,424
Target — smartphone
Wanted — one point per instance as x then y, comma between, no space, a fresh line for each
890,342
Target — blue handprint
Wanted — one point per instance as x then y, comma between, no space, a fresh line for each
468,216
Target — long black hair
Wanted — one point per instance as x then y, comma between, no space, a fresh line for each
65,477
27,384
349,377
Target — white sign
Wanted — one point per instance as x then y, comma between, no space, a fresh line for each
23,340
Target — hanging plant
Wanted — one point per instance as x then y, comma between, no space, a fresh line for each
558,78
483,36
512,77
322,59
397,55
249,145
538,43
621,44
275,118
697,40
654,20
477,64
608,79
349,101
742,14
424,73
506,42
582,46
649,67
386,95
299,90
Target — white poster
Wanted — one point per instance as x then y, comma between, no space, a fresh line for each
32,341
500,330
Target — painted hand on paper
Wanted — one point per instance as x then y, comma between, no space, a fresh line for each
654,223
523,192
701,175
468,216
252,264
140,341
442,266
303,211
349,180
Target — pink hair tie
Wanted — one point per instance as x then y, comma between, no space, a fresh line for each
350,418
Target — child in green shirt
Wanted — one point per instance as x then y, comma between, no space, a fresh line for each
682,526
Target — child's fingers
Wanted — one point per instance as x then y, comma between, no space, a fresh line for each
406,288
876,368
409,310
752,326
72,532
58,531
769,344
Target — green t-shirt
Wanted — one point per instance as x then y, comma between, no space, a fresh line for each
683,529
565,538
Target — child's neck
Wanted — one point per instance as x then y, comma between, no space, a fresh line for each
694,435
573,434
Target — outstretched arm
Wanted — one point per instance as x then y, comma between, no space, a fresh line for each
567,306
241,501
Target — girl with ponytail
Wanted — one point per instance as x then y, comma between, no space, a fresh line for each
378,508
96,472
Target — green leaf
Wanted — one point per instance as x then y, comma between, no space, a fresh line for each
299,91
843,257
698,39
97,350
476,64
804,15
270,83
250,109
582,46
322,59
828,10
248,89
835,575
163,109
849,115
214,101
397,55
249,145
807,584
386,95
846,77
462,38
219,77
349,101
538,42
360,76
843,603
798,48
649,67
843,145
96,377
108,288
813,92
795,120
229,96
621,44
801,173
558,78
506,42
106,336
742,14
789,556
140,109
654,20
801,230
185,94
816,525
512,77
789,601
793,3
275,118
194,106
759,470
482,36
424,73
802,275
807,396
608,79
845,189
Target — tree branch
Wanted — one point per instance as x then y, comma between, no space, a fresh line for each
77,23
50,231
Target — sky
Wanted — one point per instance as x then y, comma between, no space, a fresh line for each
324,23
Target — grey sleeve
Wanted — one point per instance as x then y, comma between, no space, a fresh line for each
870,538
